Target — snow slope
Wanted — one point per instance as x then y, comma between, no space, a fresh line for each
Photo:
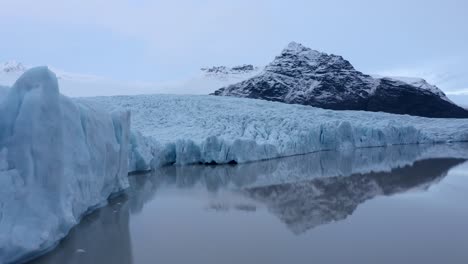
193,129
58,160
82,85
418,83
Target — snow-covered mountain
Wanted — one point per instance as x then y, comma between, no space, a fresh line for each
12,67
230,72
82,85
300,75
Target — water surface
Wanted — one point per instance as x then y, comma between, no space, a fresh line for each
403,204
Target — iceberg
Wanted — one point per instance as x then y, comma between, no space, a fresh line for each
176,129
59,159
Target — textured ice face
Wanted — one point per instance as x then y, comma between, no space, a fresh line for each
58,159
193,129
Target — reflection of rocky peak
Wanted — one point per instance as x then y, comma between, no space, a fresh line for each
309,190
307,204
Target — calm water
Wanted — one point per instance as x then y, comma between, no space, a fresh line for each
385,205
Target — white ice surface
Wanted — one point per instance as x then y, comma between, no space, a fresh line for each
58,160
193,129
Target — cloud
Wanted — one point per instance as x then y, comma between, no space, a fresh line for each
458,92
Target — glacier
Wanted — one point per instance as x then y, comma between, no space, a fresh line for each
62,157
177,129
59,159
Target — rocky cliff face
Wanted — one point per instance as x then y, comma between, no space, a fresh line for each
300,75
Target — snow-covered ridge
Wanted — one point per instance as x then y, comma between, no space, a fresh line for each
12,67
83,85
207,81
227,75
58,160
204,129
222,70
419,83
15,69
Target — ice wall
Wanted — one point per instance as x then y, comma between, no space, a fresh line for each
204,129
58,160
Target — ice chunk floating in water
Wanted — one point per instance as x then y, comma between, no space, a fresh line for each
207,129
58,159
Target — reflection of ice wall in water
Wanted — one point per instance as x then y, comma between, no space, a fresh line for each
302,202
304,167
102,237
310,190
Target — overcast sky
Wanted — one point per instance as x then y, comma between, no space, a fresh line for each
145,40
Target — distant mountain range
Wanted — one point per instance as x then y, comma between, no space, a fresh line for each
204,82
300,75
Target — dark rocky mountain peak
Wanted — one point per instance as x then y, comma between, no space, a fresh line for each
300,75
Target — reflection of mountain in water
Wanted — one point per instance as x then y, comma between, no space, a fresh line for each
310,190
303,191
305,205
302,167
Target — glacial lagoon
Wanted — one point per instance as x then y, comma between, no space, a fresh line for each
399,204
